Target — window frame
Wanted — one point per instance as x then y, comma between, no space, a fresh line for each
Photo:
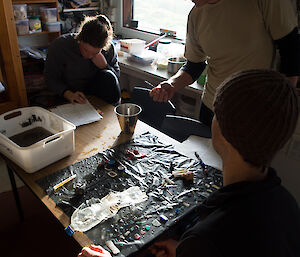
127,14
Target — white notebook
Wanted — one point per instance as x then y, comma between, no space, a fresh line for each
78,114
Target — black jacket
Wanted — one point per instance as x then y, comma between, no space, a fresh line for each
65,68
244,219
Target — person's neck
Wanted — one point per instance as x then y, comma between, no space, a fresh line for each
235,170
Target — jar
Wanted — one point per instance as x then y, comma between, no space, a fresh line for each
163,47
164,52
35,24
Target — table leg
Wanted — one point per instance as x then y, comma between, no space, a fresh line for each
15,192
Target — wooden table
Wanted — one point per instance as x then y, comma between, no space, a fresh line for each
89,139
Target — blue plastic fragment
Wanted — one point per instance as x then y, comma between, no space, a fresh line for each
111,162
69,231
164,218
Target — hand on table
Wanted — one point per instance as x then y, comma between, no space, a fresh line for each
166,248
94,251
77,97
100,61
163,92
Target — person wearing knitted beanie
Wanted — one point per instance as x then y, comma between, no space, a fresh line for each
256,112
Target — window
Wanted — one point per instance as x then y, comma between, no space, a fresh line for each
151,16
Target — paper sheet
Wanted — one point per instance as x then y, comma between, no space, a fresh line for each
78,114
203,146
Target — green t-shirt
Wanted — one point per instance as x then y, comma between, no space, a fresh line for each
235,35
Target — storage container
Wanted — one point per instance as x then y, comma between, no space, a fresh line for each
164,52
22,27
53,26
49,14
20,11
32,157
133,46
35,24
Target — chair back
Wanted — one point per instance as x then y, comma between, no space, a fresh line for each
153,113
180,128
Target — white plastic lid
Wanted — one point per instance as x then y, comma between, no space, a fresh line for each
53,23
19,5
21,21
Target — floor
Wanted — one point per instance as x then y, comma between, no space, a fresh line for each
40,234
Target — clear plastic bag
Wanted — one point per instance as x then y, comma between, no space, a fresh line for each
95,210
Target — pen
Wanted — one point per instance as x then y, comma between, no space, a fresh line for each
64,182
202,164
149,84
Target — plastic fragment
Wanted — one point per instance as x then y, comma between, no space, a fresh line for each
215,186
147,227
164,218
185,174
156,223
69,231
121,168
112,247
137,236
112,174
111,162
186,204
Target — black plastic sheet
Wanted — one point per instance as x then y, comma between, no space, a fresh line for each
173,205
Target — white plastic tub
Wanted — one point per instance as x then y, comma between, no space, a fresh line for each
53,26
133,46
49,14
20,11
44,152
22,27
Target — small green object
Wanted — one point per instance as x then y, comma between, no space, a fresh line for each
202,80
147,227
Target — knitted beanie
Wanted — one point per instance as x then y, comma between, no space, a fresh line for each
257,111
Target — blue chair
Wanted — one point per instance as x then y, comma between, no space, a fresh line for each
180,128
153,113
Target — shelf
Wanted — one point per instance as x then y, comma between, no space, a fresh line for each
39,33
82,9
33,1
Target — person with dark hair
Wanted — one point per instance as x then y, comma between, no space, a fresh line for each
232,36
256,112
85,63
